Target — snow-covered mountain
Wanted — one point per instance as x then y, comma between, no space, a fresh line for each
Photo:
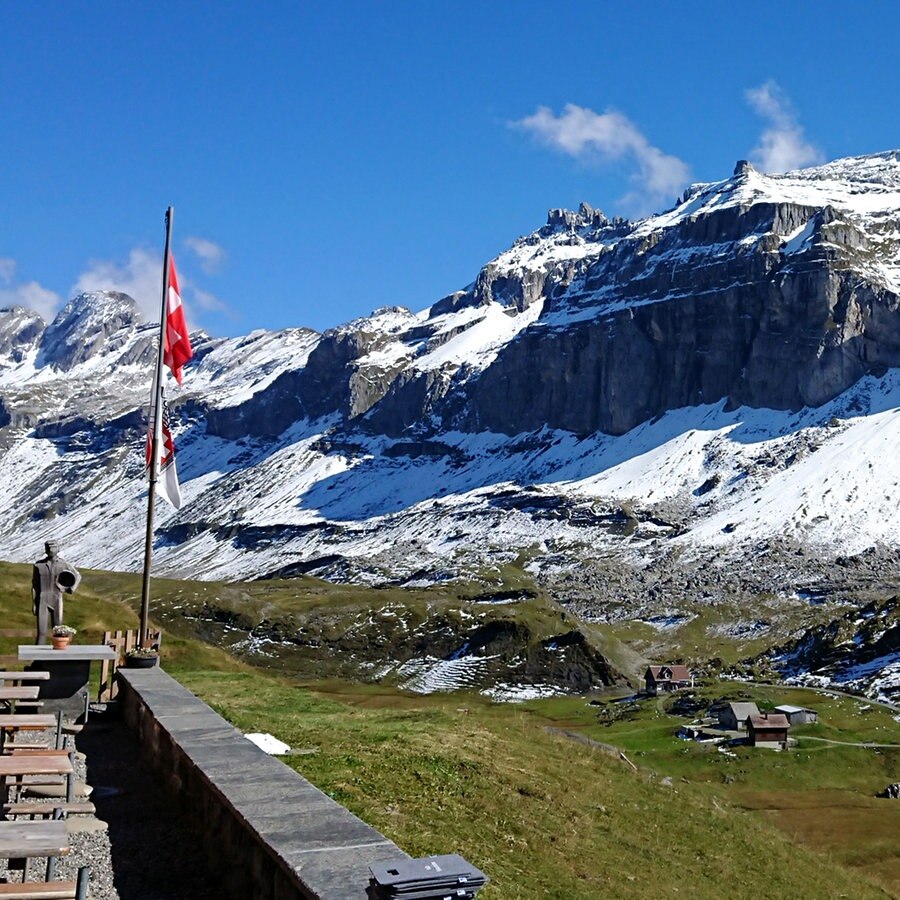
716,379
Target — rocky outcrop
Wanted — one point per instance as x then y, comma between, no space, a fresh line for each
86,325
20,332
866,634
693,317
266,414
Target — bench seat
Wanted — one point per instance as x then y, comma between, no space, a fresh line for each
49,890
41,890
76,807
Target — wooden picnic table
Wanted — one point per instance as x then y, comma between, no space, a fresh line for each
24,675
15,768
12,723
26,721
10,695
22,764
42,837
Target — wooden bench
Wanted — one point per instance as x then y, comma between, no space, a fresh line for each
50,890
20,677
12,724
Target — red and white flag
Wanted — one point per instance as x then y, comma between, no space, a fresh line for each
177,345
167,481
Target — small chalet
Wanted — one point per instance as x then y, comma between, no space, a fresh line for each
733,716
798,715
768,730
667,678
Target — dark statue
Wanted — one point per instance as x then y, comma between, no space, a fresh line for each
51,577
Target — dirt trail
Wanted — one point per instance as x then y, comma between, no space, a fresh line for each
808,737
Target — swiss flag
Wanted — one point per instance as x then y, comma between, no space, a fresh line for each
167,483
177,348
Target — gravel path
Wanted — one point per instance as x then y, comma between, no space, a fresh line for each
147,850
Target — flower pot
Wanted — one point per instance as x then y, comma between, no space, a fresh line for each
60,643
141,662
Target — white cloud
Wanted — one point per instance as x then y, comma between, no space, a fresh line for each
31,295
211,255
610,137
783,145
140,277
207,301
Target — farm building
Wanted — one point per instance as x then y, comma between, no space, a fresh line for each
768,730
798,715
733,716
667,678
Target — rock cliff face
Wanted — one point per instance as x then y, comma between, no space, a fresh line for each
713,308
87,326
764,291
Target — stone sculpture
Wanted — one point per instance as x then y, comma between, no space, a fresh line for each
51,577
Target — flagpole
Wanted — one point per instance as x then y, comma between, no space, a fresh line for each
155,412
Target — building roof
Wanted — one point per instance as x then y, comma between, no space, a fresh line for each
772,720
743,710
787,708
678,673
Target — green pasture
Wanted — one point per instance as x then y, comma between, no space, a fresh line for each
526,792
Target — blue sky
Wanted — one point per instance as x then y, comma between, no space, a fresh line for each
327,159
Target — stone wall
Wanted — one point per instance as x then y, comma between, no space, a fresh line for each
268,831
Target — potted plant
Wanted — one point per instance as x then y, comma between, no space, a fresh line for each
61,635
141,658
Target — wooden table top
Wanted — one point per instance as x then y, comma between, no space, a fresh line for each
16,721
46,837
13,750
35,764
30,675
72,653
23,692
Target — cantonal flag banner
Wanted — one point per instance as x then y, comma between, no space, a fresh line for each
167,482
177,347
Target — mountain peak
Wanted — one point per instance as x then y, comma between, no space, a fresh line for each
103,304
85,325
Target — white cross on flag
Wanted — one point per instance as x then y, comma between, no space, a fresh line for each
167,483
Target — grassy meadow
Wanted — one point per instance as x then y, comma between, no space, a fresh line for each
528,793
